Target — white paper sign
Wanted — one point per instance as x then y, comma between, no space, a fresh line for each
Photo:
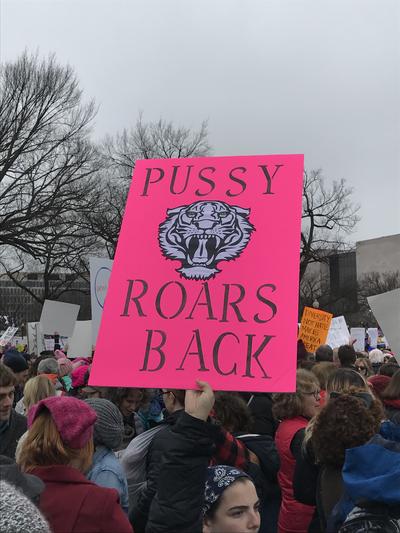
338,333
100,271
386,310
7,335
358,334
80,344
58,317
373,337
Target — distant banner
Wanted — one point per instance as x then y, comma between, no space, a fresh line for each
314,328
204,283
358,335
8,335
338,334
373,336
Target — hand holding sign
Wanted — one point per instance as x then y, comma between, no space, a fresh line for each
198,403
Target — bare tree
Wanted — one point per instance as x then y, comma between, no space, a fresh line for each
158,140
47,162
152,140
328,215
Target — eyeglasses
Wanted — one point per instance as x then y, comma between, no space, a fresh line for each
361,368
316,394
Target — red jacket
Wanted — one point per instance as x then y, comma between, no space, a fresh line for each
294,517
72,504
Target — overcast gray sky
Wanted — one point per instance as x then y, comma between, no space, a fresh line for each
271,76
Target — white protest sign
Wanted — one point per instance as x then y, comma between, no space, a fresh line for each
7,335
100,271
386,310
373,337
80,344
358,334
58,317
338,333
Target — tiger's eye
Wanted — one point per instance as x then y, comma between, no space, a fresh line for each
223,214
191,214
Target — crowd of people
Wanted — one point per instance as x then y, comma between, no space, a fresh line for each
75,458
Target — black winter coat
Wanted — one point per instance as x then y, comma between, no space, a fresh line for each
9,438
177,505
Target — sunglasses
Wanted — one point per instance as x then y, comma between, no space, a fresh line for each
361,368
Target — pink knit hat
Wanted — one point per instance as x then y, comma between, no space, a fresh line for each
73,418
64,366
78,376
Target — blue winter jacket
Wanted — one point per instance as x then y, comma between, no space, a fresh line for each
107,471
371,473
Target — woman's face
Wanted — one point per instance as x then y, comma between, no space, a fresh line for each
238,510
361,367
131,403
311,403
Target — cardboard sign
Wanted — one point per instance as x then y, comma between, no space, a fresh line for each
80,344
58,317
204,283
358,334
386,310
314,328
373,337
7,336
338,333
100,271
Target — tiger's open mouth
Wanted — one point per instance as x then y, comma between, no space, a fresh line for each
202,248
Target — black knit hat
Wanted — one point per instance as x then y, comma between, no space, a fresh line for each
14,360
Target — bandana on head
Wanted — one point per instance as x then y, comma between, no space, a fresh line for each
219,478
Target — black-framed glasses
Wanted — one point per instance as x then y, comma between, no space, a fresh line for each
315,393
361,368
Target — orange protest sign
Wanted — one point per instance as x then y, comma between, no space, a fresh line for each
314,328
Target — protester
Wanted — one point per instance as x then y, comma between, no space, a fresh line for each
64,372
17,363
35,389
17,513
371,473
363,366
12,424
294,411
129,401
228,450
235,416
29,485
378,384
391,398
59,450
106,470
324,353
388,369
347,356
260,405
323,371
376,358
192,498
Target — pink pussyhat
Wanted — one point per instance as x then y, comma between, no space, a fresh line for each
58,354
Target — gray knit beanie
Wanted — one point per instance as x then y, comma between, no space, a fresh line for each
109,426
48,366
18,513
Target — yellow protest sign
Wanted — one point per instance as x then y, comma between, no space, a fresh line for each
314,328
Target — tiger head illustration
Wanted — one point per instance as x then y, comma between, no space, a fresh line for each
202,234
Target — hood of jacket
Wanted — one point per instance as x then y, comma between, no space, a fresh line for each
371,472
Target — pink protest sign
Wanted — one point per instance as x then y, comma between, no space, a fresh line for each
205,278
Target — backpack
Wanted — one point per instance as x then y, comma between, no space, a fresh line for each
133,460
374,518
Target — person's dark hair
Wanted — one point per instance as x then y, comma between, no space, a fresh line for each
7,376
392,391
117,394
344,422
345,378
232,412
301,351
388,369
33,371
324,353
347,355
